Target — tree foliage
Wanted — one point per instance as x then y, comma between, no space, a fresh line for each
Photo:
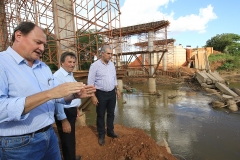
226,42
50,53
88,43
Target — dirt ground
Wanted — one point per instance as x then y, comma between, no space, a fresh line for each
132,144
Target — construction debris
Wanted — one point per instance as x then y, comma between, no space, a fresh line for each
232,105
218,104
236,90
214,84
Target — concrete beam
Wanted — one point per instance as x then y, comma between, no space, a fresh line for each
214,80
217,76
236,90
207,86
225,89
203,77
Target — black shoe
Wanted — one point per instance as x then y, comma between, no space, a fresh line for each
78,157
101,141
113,135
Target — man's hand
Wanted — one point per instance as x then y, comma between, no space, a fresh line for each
66,89
86,91
118,94
66,126
94,100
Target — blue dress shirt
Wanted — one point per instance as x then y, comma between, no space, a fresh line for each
62,76
17,81
102,76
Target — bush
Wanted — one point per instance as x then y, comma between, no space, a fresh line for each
53,67
85,66
228,66
220,57
230,62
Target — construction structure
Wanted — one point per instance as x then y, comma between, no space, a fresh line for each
83,26
167,59
70,25
150,30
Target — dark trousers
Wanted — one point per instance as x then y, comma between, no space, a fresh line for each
68,139
107,102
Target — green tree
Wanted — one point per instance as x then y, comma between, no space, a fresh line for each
88,43
226,42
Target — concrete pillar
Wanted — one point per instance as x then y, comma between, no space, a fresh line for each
151,81
150,49
120,84
64,27
152,85
165,62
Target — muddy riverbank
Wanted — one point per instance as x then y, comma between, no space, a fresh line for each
181,115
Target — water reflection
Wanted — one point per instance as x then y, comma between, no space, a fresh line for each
234,85
191,127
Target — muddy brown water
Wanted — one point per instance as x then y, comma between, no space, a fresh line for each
192,128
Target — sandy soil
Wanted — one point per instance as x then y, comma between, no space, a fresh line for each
132,144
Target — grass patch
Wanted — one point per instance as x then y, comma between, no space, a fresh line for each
220,57
229,62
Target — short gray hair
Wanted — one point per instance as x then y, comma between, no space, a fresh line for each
103,49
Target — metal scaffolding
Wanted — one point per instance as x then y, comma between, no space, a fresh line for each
160,44
81,26
159,30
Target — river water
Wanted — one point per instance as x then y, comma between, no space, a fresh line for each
193,129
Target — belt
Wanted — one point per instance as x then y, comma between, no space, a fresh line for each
38,131
31,134
43,129
105,91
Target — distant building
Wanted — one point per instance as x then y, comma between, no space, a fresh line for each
179,56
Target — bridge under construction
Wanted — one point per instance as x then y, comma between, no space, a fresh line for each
83,26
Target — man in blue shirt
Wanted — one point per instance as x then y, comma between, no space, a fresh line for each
66,114
102,75
28,92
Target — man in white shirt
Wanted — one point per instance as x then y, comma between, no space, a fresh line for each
102,74
65,115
